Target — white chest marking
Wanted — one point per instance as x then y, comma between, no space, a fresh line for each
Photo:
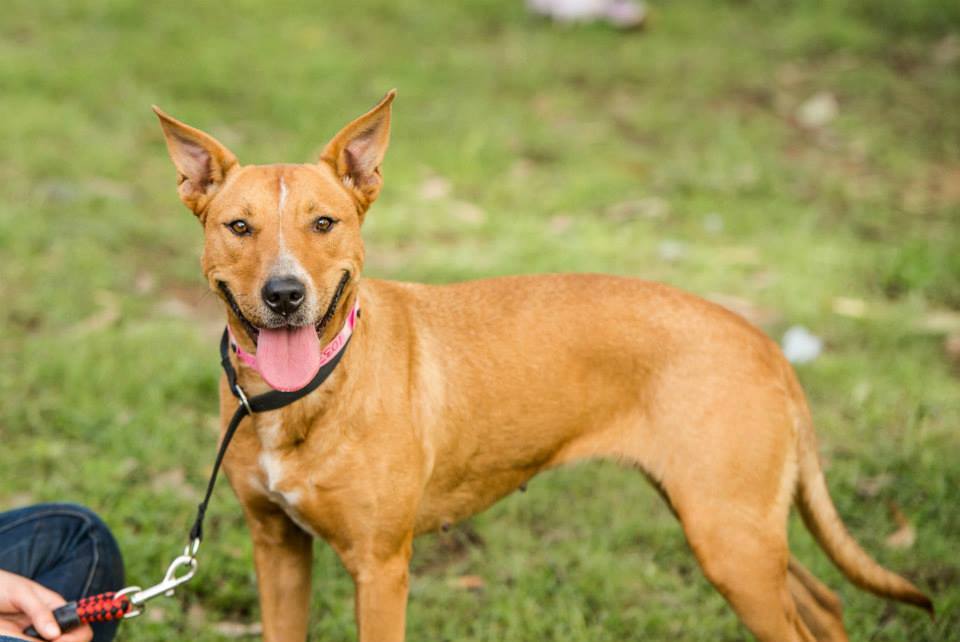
272,465
288,500
268,429
271,462
272,469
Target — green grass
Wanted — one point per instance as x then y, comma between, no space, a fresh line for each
566,149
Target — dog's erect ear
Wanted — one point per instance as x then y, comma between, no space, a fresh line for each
356,153
202,162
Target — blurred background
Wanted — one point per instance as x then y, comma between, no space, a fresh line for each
798,162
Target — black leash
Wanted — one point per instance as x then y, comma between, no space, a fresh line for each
272,400
129,602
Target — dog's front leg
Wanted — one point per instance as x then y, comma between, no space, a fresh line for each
381,584
283,555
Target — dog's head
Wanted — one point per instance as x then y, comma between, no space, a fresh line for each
282,242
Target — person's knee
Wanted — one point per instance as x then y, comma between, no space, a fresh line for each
79,524
109,558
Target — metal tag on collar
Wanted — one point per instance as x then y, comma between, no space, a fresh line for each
243,398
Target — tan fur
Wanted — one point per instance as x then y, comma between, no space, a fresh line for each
450,397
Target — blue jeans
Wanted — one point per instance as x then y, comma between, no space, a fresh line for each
66,548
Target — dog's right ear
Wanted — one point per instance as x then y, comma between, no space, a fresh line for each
202,162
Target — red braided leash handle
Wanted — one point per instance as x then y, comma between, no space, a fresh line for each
102,607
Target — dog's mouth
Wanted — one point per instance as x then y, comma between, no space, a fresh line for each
287,356
250,329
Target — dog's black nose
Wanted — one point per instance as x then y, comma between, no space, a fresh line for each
283,294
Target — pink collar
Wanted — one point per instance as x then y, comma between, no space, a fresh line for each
328,352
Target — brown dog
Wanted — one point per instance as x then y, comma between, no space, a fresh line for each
450,397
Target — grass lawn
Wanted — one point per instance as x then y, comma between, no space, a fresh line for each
799,161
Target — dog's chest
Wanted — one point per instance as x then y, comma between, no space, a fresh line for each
279,474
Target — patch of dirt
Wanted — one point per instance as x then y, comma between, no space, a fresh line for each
173,481
230,629
107,315
467,583
938,579
193,302
937,188
951,346
446,549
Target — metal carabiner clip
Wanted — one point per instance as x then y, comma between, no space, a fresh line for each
175,576
243,398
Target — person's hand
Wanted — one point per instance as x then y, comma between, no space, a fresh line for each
24,602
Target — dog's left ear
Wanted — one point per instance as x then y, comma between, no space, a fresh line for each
356,153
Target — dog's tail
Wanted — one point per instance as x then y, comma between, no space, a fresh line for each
820,516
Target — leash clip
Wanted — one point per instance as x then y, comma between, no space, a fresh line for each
180,571
243,398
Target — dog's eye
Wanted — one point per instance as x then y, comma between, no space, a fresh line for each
239,227
323,224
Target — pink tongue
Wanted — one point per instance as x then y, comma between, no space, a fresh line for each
288,358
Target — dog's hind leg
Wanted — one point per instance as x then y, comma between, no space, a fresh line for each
731,481
818,606
745,558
